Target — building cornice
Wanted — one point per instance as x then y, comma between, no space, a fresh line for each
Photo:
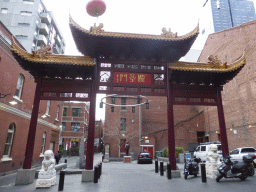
17,112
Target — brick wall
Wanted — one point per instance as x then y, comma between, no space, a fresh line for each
238,95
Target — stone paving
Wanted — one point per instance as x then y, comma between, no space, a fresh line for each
133,177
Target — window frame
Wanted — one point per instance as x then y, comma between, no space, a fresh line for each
43,144
73,128
48,108
123,124
123,102
64,113
57,113
7,157
76,113
19,87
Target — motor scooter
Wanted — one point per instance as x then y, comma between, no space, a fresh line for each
228,169
191,167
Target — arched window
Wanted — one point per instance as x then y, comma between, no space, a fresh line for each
19,86
9,141
48,107
43,143
57,113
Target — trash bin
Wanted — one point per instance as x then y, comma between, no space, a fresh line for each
158,154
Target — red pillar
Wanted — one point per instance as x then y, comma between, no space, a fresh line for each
171,136
91,127
223,132
32,128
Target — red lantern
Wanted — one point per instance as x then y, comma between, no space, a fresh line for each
96,8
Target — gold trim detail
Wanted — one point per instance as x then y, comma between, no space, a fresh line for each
208,67
43,56
43,52
166,35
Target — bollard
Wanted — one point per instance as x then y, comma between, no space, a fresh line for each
203,173
96,174
66,161
61,180
161,168
99,170
169,171
156,166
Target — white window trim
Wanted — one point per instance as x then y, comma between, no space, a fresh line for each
41,155
16,98
6,158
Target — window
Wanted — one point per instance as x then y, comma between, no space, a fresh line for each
64,112
9,140
234,152
76,112
122,124
203,148
26,13
20,37
4,10
23,24
123,102
57,113
75,126
63,126
19,86
48,107
248,150
43,143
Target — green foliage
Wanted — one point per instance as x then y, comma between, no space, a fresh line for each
178,150
61,150
165,152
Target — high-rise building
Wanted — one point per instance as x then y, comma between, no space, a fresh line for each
31,23
224,14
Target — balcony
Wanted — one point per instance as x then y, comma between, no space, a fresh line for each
45,18
56,49
41,40
58,40
44,29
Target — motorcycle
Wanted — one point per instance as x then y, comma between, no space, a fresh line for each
191,167
240,170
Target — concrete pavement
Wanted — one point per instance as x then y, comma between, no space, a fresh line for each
127,177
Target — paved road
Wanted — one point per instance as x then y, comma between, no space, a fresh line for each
133,177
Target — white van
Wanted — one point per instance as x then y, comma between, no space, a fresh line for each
203,148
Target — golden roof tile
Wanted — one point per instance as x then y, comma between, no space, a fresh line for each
44,56
208,67
166,35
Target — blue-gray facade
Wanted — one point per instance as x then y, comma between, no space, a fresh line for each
231,13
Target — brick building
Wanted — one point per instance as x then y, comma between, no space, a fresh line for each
122,125
239,94
75,120
17,90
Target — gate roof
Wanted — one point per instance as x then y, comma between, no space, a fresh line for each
98,43
44,64
212,73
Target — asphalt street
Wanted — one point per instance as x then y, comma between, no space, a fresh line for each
133,177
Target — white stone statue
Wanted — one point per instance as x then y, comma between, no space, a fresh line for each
47,175
212,160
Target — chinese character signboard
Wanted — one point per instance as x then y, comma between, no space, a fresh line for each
120,77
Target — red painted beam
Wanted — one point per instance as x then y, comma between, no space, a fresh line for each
222,124
32,128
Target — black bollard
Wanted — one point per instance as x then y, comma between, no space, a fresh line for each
203,173
96,174
102,158
169,171
66,161
156,166
99,170
61,180
162,168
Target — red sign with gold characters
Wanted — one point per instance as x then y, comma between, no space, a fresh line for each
120,77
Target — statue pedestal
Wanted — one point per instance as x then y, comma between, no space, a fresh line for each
211,170
87,175
46,179
127,159
25,176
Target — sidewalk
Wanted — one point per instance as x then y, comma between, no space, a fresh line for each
133,177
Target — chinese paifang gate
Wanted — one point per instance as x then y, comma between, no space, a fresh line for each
126,64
